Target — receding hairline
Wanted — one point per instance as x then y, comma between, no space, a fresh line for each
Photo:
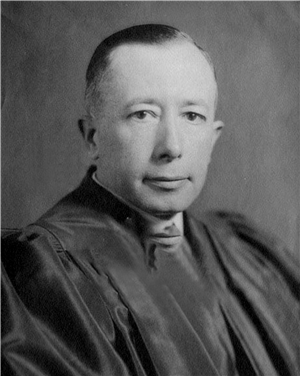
100,66
162,45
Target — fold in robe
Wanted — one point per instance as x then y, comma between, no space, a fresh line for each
81,297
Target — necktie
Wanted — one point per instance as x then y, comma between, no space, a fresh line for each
157,235
162,238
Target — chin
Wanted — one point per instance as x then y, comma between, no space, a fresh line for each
166,207
163,203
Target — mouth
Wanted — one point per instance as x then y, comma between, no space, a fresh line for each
166,183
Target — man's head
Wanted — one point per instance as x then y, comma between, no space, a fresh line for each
150,98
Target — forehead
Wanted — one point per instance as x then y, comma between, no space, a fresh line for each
168,69
180,55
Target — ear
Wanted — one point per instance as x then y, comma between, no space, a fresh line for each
89,134
217,127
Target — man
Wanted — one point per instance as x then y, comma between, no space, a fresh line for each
117,279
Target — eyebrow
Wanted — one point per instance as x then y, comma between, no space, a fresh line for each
151,101
140,100
199,102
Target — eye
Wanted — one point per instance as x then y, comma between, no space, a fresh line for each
194,117
142,115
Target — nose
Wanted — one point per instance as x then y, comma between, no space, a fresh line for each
168,140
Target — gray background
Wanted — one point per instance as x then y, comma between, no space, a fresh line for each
46,47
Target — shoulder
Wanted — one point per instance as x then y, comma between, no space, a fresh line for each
85,225
244,240
242,235
258,279
27,253
254,264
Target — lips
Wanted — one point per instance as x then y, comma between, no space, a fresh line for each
166,183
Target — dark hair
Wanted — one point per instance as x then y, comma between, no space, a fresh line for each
140,34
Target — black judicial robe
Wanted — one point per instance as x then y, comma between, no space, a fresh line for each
80,297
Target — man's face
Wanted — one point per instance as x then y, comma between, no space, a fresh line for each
155,132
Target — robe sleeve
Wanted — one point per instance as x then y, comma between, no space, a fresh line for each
259,280
37,339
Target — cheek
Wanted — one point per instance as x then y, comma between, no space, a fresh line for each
110,142
134,144
124,152
199,149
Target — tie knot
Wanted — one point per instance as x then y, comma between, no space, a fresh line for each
167,235
164,234
172,230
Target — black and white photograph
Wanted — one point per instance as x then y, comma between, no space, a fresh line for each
150,155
